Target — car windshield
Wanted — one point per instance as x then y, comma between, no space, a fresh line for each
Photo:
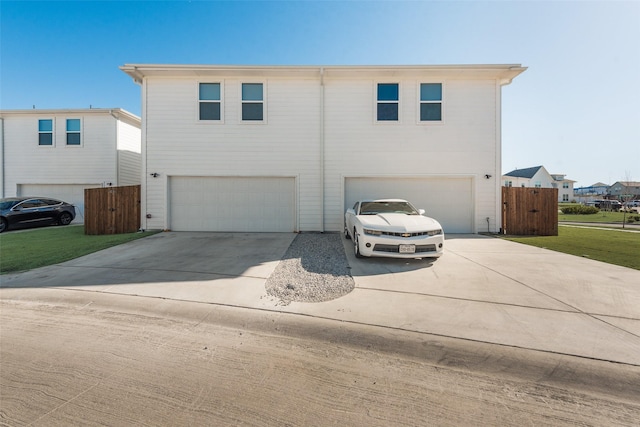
8,204
374,208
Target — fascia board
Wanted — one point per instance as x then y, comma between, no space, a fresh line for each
503,73
70,111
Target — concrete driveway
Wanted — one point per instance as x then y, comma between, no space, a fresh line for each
483,289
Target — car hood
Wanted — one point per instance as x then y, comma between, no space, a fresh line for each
399,222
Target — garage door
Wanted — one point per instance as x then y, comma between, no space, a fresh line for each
232,204
71,193
449,200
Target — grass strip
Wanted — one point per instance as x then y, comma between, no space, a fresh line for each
25,250
612,246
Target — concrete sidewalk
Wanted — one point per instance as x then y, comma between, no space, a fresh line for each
483,289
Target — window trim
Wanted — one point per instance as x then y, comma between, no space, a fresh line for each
199,101
263,102
52,132
377,101
420,102
67,132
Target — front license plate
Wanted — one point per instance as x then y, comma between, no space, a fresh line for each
407,249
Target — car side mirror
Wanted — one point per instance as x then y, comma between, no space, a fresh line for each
421,211
351,211
16,208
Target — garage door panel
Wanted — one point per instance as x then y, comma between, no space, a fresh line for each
449,200
232,204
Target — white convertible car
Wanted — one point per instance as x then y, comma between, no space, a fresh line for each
392,228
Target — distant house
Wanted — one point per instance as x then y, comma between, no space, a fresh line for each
289,148
625,190
538,177
59,153
591,193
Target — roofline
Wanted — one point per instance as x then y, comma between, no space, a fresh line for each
504,72
116,112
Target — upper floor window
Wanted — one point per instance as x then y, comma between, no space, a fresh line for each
430,102
252,101
508,183
388,97
73,131
45,132
565,185
210,101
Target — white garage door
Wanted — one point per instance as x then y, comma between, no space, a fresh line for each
232,204
70,193
449,200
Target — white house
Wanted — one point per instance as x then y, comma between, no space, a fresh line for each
289,148
59,153
538,177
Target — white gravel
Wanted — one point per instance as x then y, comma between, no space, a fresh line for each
314,269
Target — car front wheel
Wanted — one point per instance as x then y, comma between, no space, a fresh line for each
3,225
356,244
65,218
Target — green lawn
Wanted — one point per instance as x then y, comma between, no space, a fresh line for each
610,246
600,217
24,250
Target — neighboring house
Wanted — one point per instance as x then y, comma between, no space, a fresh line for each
564,186
538,177
289,148
625,190
59,153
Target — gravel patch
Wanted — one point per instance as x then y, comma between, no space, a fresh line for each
314,269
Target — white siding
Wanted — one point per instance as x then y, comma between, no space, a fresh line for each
129,141
287,144
463,146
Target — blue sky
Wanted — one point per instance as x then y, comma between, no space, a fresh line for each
576,110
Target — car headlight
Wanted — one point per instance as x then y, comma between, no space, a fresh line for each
372,232
434,232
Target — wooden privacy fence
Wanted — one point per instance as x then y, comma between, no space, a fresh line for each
112,210
530,211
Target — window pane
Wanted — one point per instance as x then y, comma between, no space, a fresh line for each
251,111
45,125
210,91
45,139
387,111
431,92
73,125
209,111
387,92
73,139
252,91
431,112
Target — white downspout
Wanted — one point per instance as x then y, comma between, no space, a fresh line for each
143,155
322,165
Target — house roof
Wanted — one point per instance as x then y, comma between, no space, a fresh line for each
524,173
505,73
117,113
